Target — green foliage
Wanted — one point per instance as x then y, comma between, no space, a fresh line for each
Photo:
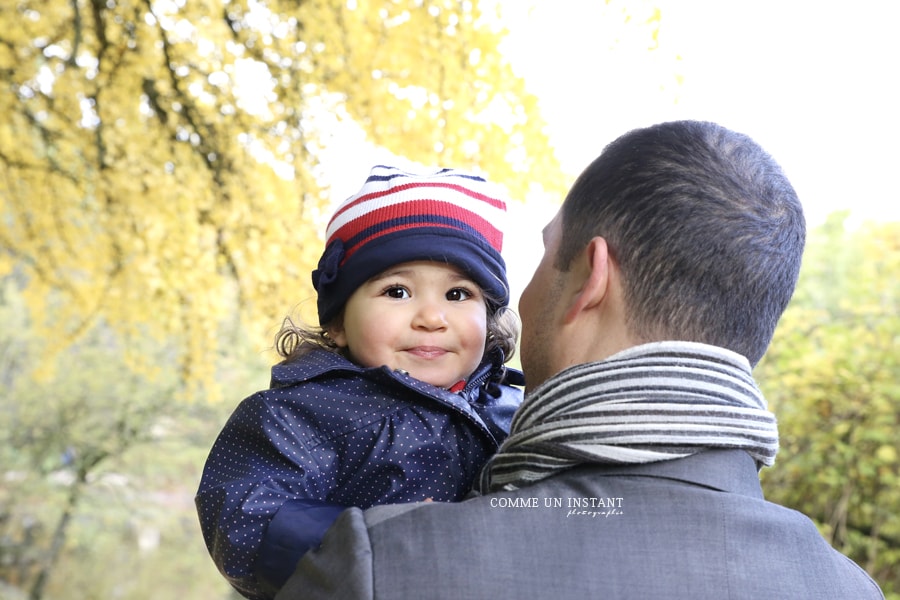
99,467
832,375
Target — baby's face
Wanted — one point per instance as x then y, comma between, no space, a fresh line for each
426,318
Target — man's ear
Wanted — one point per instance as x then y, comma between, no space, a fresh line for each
595,263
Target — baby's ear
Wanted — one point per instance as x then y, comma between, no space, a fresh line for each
335,331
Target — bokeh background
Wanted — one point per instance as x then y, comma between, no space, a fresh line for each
167,169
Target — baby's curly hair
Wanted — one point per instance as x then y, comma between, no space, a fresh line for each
294,340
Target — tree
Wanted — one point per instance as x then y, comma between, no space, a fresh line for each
161,205
158,159
99,466
831,376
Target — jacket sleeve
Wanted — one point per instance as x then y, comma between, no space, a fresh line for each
298,526
340,569
261,502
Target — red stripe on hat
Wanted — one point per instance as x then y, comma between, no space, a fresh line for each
421,211
495,202
351,251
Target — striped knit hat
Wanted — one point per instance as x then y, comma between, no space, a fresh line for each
398,216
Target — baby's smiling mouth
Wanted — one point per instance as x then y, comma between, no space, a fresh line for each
427,352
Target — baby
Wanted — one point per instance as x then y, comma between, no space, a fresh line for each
400,394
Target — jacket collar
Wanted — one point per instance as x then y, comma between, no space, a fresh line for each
732,471
309,366
319,362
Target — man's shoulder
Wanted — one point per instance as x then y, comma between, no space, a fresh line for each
378,514
647,513
608,530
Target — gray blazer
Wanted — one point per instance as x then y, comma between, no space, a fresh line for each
691,528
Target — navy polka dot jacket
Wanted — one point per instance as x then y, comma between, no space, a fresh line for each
329,434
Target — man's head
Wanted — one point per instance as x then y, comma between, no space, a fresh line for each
701,232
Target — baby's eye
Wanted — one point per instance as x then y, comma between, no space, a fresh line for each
458,295
397,292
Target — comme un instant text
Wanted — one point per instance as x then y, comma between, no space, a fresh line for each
572,502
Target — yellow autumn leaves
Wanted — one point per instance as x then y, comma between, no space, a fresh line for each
148,185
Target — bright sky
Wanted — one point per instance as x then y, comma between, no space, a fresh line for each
814,82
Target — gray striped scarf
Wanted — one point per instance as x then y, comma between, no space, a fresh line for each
653,402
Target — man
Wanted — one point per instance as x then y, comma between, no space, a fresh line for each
631,466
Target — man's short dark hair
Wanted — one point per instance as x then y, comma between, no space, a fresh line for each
707,232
